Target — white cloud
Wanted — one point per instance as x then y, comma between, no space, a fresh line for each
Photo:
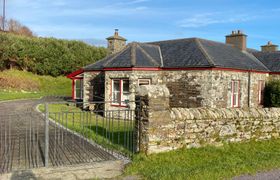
205,19
124,3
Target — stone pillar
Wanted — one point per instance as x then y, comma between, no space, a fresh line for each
152,112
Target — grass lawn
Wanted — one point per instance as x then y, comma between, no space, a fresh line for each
209,162
113,133
16,84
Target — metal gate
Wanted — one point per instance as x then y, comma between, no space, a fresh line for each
66,135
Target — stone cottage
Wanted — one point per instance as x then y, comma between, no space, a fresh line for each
197,72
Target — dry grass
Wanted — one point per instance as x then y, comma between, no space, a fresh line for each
16,84
19,83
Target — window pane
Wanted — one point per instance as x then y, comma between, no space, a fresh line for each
125,92
235,93
125,86
144,82
116,97
78,84
116,91
116,85
235,100
236,87
125,97
78,89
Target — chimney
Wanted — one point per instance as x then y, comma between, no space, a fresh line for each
116,43
269,47
238,39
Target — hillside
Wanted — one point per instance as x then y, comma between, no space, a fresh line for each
16,84
46,56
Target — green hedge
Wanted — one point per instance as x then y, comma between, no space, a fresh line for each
47,56
272,94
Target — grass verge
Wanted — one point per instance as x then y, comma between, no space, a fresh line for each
107,130
209,162
16,84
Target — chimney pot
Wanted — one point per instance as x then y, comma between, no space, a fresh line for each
116,43
116,32
269,47
237,39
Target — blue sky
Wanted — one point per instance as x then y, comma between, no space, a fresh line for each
150,20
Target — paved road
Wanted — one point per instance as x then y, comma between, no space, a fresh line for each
270,175
22,140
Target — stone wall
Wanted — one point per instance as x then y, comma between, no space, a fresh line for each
93,86
274,77
211,88
133,77
163,128
194,88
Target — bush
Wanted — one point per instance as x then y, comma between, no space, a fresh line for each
46,56
272,94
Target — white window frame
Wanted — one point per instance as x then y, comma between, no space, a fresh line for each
235,94
121,92
261,85
148,81
81,88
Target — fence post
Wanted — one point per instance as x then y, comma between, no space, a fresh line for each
46,135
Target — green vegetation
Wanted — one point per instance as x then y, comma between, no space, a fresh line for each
209,162
113,133
272,94
46,56
20,84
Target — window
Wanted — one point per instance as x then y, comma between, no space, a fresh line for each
261,85
120,91
144,82
78,89
235,93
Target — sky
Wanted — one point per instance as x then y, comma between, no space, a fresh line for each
150,20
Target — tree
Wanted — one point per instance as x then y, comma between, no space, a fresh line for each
1,23
272,94
14,26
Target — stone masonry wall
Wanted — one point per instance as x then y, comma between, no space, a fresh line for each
163,128
93,86
274,77
212,88
188,89
133,77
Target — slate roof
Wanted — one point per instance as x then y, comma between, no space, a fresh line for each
134,55
180,53
270,59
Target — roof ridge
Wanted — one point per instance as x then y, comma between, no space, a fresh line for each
268,52
115,55
207,56
152,60
146,44
133,54
171,40
160,54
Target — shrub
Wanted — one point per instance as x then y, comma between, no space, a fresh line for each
46,56
272,94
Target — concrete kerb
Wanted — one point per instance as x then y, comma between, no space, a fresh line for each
13,100
97,170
